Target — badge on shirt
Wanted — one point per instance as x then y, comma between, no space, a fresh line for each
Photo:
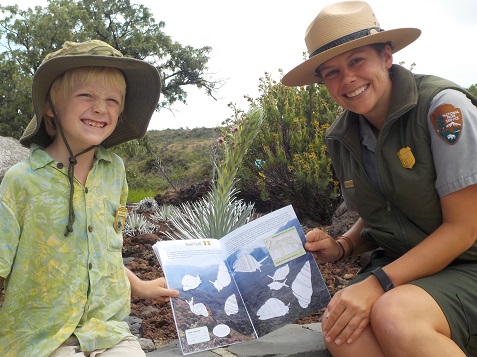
447,121
406,157
120,218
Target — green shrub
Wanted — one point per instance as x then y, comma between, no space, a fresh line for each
288,162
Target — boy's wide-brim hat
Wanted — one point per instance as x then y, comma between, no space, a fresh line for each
341,27
143,87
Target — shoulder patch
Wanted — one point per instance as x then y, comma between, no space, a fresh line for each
447,121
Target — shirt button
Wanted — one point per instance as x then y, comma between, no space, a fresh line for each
86,190
59,165
90,266
90,228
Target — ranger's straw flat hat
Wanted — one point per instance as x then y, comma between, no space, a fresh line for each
341,27
143,87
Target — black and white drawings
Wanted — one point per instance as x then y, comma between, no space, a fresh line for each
223,277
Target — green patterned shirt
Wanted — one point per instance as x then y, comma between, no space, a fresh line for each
55,285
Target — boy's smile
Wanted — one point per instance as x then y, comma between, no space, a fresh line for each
94,123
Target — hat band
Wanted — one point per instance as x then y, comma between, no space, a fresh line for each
351,37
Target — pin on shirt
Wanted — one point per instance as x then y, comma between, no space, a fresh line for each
120,218
406,157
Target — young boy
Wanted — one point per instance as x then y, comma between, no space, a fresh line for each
67,291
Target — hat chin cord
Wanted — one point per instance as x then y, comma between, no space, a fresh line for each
71,168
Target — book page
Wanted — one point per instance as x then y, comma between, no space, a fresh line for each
279,281
209,311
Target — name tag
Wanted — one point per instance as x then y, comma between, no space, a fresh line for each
349,184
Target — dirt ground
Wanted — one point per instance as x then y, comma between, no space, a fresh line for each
158,322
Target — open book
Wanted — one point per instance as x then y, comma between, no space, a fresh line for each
240,287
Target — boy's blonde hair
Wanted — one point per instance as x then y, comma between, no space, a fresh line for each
69,80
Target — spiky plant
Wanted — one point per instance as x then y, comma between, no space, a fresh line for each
220,212
162,213
136,224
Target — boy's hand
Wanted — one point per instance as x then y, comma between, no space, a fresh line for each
150,289
157,289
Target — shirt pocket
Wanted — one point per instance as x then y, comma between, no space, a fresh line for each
114,239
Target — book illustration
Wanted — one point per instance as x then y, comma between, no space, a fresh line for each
301,286
198,309
190,282
247,264
273,307
280,273
276,285
284,245
221,330
223,277
231,305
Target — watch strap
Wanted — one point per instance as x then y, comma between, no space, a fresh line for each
383,279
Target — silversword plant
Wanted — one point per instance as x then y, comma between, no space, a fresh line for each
137,224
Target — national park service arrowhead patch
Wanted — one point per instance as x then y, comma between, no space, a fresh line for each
447,121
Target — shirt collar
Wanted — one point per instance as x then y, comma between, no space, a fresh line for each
366,135
39,158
